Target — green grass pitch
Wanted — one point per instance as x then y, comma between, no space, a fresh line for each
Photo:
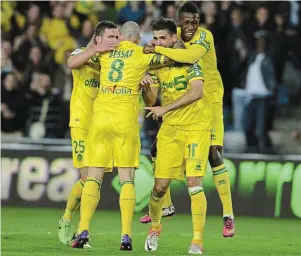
33,231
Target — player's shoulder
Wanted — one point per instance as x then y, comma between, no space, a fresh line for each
203,33
195,69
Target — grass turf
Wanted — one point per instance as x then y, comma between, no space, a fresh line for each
33,231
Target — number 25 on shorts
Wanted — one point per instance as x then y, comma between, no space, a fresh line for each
79,146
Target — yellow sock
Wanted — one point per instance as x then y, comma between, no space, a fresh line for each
127,201
78,226
155,211
167,199
198,212
222,183
74,199
89,202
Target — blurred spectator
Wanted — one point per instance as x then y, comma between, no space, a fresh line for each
105,11
209,11
13,105
297,135
54,31
19,22
171,12
23,45
36,63
239,40
47,113
263,21
134,11
33,16
6,61
279,46
86,34
260,86
146,31
63,78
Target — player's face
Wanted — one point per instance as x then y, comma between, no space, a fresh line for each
189,23
109,35
164,38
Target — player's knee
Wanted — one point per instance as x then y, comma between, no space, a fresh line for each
125,174
160,190
215,156
96,173
194,181
84,173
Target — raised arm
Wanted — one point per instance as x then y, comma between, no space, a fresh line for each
191,55
150,88
195,52
81,56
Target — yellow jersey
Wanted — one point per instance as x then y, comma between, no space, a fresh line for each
174,82
85,89
213,80
121,72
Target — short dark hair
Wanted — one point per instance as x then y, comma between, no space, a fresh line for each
163,23
103,25
189,7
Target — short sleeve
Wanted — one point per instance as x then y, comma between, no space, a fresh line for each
77,51
195,72
205,40
152,59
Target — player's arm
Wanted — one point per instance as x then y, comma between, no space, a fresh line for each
81,56
195,79
150,88
158,61
197,50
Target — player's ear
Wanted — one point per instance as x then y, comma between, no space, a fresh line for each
97,39
174,38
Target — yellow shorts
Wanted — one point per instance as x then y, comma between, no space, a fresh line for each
78,138
112,141
181,150
217,132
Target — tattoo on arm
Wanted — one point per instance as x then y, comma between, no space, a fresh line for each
179,44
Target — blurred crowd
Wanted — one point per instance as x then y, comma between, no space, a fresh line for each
38,37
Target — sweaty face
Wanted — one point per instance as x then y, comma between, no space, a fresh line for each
189,23
109,35
164,38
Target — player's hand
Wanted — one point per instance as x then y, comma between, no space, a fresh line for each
148,48
105,46
156,112
146,81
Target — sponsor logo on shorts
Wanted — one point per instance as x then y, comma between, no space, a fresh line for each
79,157
213,135
92,82
115,90
198,167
